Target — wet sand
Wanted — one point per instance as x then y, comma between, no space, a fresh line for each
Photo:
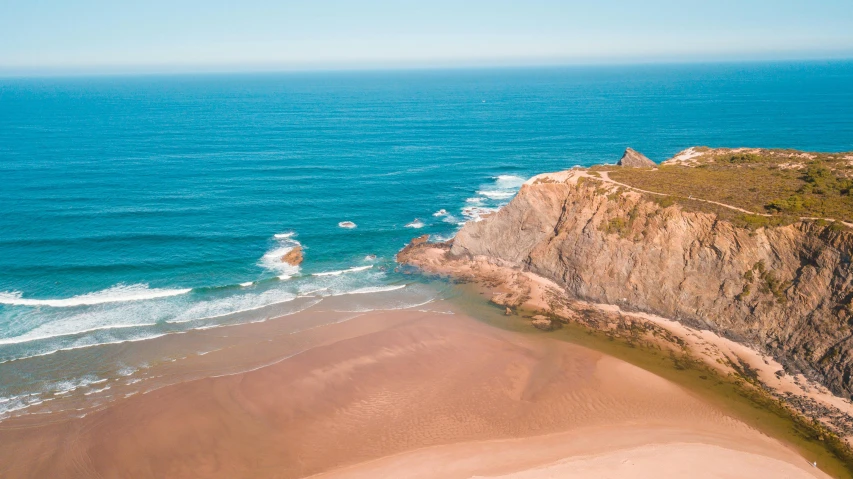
407,394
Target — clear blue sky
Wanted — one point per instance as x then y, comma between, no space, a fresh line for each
63,35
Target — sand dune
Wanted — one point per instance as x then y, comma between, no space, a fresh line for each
407,394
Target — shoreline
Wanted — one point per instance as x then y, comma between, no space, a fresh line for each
391,386
86,378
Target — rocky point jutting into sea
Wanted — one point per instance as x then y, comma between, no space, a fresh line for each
751,245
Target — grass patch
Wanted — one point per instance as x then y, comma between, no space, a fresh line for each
782,183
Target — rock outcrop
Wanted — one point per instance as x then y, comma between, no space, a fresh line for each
542,322
634,159
785,290
293,257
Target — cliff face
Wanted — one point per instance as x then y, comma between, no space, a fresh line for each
787,290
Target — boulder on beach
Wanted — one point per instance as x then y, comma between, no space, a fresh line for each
293,257
542,322
634,159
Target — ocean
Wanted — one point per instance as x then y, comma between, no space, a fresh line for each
137,208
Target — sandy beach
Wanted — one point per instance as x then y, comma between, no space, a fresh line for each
406,394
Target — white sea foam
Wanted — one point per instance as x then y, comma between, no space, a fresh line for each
289,234
246,284
496,194
90,345
17,403
60,329
509,181
342,271
372,289
347,224
71,385
415,224
232,304
12,404
441,212
117,294
271,260
490,198
96,391
385,307
308,293
476,213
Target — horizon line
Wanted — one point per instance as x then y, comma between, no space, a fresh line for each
343,67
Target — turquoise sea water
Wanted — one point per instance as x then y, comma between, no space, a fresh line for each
137,207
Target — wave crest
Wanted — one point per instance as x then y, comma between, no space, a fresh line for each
119,293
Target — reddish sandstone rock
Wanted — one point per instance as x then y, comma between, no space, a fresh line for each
293,257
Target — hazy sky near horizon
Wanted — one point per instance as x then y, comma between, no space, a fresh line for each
159,34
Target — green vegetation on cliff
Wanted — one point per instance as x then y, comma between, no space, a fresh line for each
776,186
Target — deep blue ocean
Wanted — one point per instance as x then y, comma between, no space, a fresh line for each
135,207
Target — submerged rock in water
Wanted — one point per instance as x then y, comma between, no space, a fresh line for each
347,224
293,257
634,159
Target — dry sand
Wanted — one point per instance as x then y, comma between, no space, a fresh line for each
407,394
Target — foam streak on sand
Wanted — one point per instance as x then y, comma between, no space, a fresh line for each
117,294
342,271
49,332
373,289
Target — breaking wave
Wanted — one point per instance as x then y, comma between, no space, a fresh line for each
271,260
117,294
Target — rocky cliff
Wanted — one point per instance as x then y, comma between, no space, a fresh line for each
786,290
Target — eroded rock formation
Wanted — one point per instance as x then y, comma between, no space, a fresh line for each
634,159
785,290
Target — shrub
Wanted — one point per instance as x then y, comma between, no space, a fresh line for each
837,226
743,294
740,158
793,204
664,201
